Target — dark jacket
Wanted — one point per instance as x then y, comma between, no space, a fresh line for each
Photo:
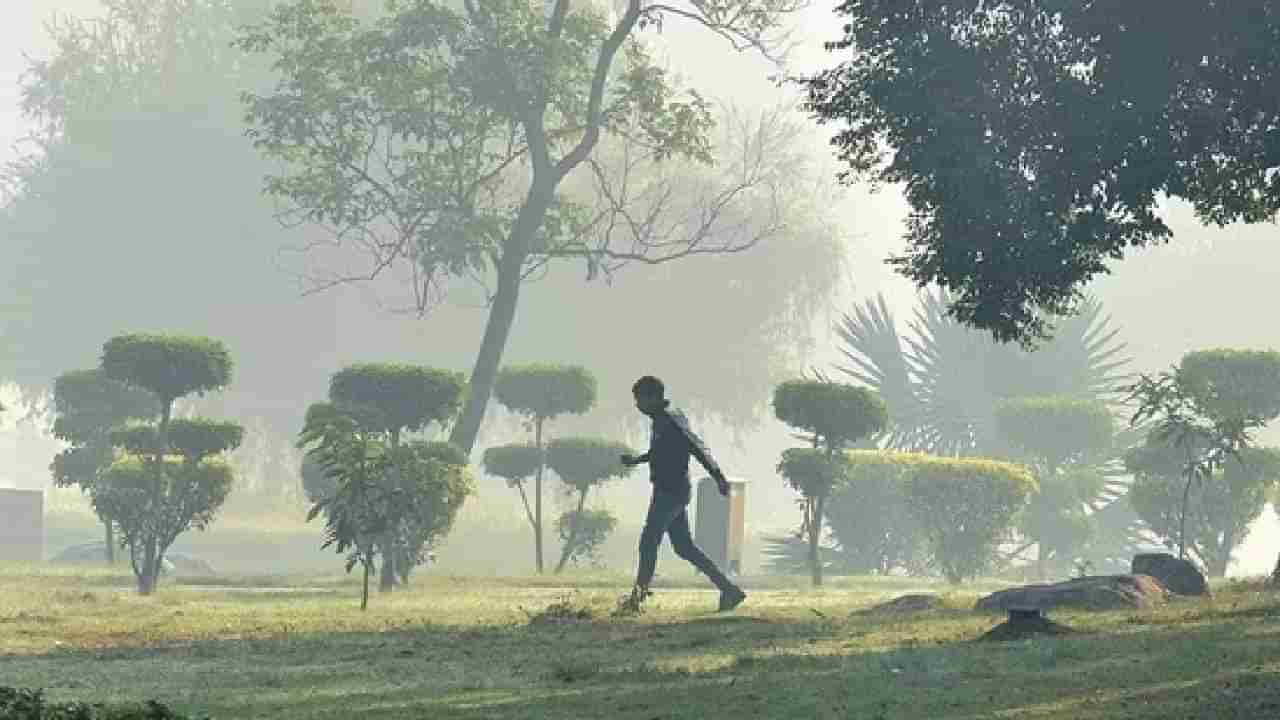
671,444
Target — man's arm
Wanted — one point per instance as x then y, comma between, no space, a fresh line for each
635,459
699,450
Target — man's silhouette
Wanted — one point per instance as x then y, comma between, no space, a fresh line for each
671,442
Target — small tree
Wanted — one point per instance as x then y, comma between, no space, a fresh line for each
170,483
517,464
87,405
397,399
1218,516
542,392
966,507
359,507
1208,407
583,463
868,516
1064,439
835,416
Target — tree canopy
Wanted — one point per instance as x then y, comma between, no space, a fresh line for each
441,137
1036,139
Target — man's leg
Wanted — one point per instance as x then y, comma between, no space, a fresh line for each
663,509
682,543
731,596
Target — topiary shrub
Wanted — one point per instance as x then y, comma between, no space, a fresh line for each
583,532
965,507
834,415
87,406
868,516
153,496
542,392
1063,440
584,463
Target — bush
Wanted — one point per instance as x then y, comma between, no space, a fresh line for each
171,366
966,508
583,533
1219,509
544,391
407,397
1234,383
868,516
24,704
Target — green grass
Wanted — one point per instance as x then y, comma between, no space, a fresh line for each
298,647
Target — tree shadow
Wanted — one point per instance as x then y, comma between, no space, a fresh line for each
704,666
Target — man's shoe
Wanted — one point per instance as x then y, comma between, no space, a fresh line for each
732,598
632,604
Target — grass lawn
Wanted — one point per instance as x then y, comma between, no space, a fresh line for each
299,647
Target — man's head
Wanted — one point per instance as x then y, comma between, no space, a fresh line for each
650,394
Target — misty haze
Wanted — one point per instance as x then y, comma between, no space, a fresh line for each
575,359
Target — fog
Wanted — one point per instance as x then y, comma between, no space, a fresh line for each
1211,287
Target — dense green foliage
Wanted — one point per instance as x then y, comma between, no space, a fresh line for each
582,532
1065,442
1220,509
1057,430
470,179
29,704
582,464
867,513
545,391
834,415
1035,139
87,406
153,503
513,463
167,483
1206,411
382,497
966,507
1230,383
541,392
406,397
169,366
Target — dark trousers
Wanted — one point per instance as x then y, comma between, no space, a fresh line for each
668,515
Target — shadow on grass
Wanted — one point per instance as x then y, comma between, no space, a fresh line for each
705,666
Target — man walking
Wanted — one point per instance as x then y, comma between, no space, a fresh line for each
671,442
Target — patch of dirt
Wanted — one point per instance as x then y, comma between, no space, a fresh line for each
561,612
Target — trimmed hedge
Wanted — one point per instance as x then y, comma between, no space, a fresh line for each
966,508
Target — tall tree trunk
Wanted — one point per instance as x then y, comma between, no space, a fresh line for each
110,541
815,535
1275,574
150,568
364,589
1182,519
502,312
387,581
537,496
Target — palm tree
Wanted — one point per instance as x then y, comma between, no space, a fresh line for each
943,382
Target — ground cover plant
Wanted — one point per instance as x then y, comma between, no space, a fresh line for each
469,648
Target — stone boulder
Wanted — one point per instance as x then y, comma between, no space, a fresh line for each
1179,576
1100,592
905,604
